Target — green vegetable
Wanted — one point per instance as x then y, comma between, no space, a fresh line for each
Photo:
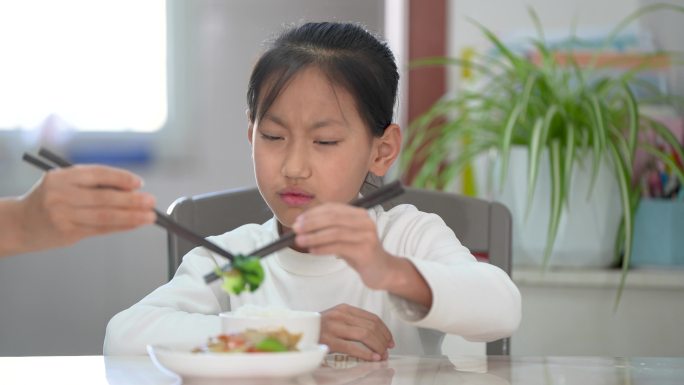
270,344
246,272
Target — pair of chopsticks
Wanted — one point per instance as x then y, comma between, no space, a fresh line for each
376,197
379,196
53,160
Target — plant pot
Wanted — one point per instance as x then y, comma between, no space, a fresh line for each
658,240
588,224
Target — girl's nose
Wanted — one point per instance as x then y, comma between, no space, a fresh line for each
296,163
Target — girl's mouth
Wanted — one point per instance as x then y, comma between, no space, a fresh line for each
295,198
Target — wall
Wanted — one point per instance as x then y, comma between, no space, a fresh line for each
591,17
59,301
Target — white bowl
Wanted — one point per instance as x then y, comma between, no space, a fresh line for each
308,323
224,365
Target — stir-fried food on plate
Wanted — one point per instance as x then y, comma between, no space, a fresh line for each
252,341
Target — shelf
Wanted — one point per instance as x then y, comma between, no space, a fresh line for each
641,278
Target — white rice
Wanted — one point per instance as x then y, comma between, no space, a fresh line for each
254,311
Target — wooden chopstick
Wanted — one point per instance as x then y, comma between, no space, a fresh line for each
162,220
379,196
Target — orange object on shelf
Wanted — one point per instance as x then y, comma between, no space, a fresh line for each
610,59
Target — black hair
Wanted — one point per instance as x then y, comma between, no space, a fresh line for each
348,54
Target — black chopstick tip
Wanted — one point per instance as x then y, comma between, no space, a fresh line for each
36,162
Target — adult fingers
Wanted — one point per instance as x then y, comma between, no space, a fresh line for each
103,197
101,176
104,218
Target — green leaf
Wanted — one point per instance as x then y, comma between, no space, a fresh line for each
251,270
635,15
534,154
598,142
270,344
465,157
556,198
245,272
633,121
539,138
517,62
569,161
233,282
536,21
628,215
506,142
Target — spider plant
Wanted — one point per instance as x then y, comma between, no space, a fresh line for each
575,113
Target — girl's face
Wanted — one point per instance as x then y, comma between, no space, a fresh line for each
312,146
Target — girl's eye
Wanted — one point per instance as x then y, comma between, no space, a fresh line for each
271,137
327,142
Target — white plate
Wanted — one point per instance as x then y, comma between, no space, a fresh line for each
216,365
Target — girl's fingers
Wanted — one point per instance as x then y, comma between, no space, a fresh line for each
359,334
355,349
330,214
354,316
333,235
354,331
377,321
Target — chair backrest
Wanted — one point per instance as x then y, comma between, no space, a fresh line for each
482,226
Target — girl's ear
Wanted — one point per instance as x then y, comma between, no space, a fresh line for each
250,130
250,127
385,150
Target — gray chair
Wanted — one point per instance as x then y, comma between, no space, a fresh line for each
483,226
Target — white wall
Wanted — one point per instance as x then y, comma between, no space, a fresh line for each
59,301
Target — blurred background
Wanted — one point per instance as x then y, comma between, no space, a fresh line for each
158,87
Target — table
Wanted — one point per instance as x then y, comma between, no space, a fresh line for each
337,370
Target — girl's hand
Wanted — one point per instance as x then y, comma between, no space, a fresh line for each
350,330
69,204
350,233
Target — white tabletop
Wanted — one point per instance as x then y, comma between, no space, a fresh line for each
94,370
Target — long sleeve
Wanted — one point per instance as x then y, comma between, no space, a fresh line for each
179,313
472,299
183,313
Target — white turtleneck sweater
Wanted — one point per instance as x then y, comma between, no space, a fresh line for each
475,300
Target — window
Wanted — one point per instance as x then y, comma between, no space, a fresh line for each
83,65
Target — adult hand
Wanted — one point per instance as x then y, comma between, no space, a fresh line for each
348,329
69,204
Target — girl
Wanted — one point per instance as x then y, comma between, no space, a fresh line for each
320,120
